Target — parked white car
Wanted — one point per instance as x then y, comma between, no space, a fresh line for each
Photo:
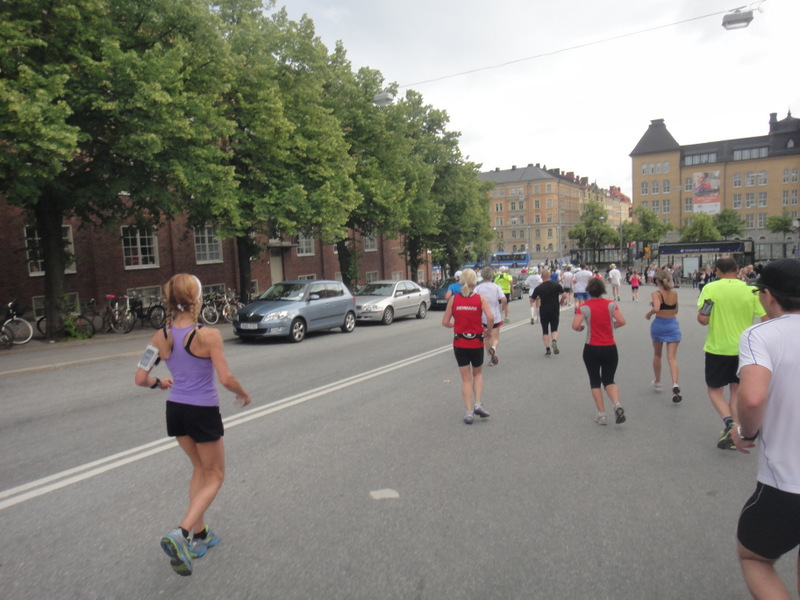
388,300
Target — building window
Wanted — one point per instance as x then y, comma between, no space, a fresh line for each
512,192
688,204
139,248
207,248
502,192
665,187
750,180
498,207
655,206
538,236
498,221
538,246
689,184
549,203
550,234
305,245
762,178
644,168
370,243
666,206
33,249
521,205
548,188
737,201
737,180
655,187
794,175
644,188
749,221
762,219
762,199
549,218
536,204
513,206
652,168
521,192
794,196
371,276
645,204
786,176
786,197
666,167
535,188
749,200
537,218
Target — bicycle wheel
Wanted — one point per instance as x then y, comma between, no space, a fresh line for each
84,326
22,330
41,325
123,321
6,337
157,316
210,315
229,312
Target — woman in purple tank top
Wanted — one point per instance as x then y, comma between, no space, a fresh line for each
192,355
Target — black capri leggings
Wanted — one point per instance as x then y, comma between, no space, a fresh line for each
601,364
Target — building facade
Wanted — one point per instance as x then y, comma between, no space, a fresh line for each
533,208
758,177
126,261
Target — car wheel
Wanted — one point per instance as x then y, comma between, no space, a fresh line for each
423,311
388,316
349,322
297,331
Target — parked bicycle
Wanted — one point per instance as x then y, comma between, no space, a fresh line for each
230,305
117,316
72,324
21,329
209,313
155,314
6,336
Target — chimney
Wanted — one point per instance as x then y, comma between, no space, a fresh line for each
513,167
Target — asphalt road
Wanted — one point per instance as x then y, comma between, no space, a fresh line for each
353,477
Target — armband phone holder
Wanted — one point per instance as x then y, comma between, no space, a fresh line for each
149,359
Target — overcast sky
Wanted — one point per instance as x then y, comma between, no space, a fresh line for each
581,109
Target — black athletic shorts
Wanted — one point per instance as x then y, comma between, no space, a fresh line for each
721,370
770,522
201,423
549,320
469,356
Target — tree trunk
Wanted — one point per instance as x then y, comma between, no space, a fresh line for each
413,246
243,252
347,266
49,220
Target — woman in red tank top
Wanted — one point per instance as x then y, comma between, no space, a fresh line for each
463,315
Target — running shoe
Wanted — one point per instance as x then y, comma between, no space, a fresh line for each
177,548
468,419
601,420
547,352
555,347
533,321
493,353
199,547
656,385
480,411
676,393
619,413
725,442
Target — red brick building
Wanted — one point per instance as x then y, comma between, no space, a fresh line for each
125,261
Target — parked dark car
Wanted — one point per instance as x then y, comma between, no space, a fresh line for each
388,300
293,308
438,299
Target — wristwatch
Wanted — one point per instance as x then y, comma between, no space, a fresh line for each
745,439
158,384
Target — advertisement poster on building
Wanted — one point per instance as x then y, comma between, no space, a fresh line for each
706,192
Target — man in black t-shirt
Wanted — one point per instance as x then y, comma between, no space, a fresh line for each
550,296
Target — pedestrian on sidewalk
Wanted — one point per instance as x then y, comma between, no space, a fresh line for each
767,407
192,355
665,330
732,310
600,354
463,315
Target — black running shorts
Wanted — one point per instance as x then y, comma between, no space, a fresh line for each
469,356
770,522
721,370
201,423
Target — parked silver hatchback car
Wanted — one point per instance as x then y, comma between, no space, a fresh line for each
293,308
388,300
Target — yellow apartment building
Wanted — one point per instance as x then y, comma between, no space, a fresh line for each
532,208
758,177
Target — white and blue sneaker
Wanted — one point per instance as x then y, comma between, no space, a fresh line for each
199,547
177,548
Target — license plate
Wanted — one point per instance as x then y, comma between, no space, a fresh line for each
248,325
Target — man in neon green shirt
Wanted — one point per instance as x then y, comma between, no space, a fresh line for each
504,280
733,310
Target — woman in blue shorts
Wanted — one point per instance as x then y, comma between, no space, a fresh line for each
665,330
192,355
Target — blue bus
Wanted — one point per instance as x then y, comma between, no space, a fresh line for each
512,260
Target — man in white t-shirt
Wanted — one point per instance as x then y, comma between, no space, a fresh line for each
582,277
566,283
615,278
533,280
767,408
496,300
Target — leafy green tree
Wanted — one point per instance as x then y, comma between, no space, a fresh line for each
592,231
110,111
651,228
700,229
729,223
781,224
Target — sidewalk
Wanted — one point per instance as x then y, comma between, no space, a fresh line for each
40,355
